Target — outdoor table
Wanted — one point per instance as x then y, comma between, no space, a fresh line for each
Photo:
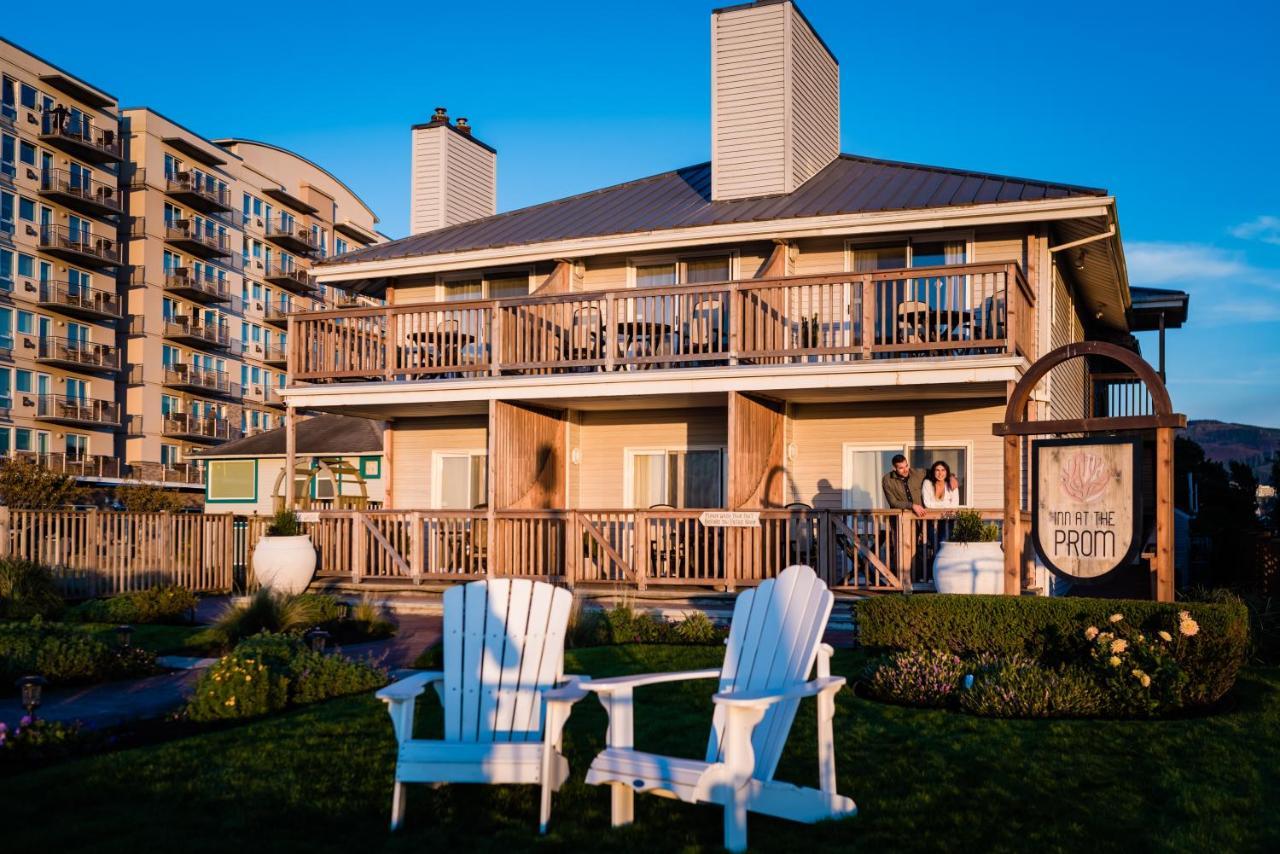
441,343
641,335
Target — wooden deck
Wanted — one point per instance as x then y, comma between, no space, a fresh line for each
957,310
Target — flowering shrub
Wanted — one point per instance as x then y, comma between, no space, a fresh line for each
1138,671
268,672
170,604
916,678
64,654
40,740
1020,687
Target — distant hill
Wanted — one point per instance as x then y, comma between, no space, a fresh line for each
1224,442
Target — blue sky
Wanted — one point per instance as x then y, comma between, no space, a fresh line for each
1173,107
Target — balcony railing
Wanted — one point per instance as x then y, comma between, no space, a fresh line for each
185,473
184,425
77,134
290,234
205,380
199,191
75,465
77,410
79,301
271,397
78,355
288,276
273,353
199,285
82,193
927,312
188,234
184,328
79,246
277,311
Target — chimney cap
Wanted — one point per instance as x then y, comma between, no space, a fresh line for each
463,125
440,115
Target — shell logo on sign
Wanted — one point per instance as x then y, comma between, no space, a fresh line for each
1086,505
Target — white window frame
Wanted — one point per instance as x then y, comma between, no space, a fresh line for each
444,279
628,469
846,471
437,482
968,235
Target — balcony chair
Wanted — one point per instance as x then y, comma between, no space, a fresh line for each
774,642
912,326
586,339
705,332
503,651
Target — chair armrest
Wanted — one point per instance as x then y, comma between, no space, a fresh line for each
409,687
763,699
626,683
570,692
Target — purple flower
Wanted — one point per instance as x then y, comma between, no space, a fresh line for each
26,721
3,727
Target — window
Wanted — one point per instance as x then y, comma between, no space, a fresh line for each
460,479
77,446
502,285
168,455
22,381
26,266
8,155
22,439
6,213
6,329
6,395
680,478
27,209
26,323
865,466
691,269
6,440
6,269
339,246
371,468
27,153
464,289
8,108
232,480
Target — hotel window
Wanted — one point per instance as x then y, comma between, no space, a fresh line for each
22,381
675,477
900,254
339,246
168,455
26,266
233,480
464,289
6,269
865,467
460,479
6,397
26,323
8,108
6,440
6,329
692,269
27,209
6,213
77,446
26,153
8,155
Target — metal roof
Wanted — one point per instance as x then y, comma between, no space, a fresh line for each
1150,305
321,435
682,199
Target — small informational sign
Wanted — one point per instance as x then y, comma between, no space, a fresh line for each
1086,505
730,519
309,516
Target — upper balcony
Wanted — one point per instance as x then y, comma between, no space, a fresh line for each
92,304
200,191
278,310
195,428
79,246
289,276
186,329
73,354
199,285
76,134
290,235
81,193
944,312
77,411
203,380
188,235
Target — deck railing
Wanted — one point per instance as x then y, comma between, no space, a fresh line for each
954,310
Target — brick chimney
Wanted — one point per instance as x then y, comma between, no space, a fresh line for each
775,100
454,175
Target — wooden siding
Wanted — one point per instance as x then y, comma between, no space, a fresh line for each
749,102
756,459
426,186
529,445
604,437
1068,383
470,180
414,441
820,432
815,102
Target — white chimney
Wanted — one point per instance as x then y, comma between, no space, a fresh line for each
455,175
775,100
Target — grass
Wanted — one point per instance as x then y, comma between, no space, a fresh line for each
318,779
162,639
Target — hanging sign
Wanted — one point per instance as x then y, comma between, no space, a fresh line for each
730,519
1086,505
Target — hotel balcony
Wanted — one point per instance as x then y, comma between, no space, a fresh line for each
939,313
75,355
290,277
271,397
187,330
77,135
188,236
75,465
83,303
201,286
200,380
79,246
290,235
178,473
86,195
184,425
277,311
199,192
77,411
274,355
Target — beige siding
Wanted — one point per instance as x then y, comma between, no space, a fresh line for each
469,180
748,80
1067,383
605,436
414,441
426,187
999,246
815,108
820,433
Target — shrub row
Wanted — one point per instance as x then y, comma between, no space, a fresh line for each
28,590
623,624
270,672
1051,631
65,654
170,605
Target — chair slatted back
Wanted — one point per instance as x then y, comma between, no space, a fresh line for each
503,647
772,644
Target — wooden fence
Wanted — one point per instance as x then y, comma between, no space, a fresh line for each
96,553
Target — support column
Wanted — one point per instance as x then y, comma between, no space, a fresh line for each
290,457
757,438
1163,563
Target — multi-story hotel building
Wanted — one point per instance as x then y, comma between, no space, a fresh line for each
145,276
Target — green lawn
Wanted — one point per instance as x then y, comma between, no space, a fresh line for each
163,640
319,780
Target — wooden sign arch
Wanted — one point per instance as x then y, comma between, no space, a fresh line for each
1162,420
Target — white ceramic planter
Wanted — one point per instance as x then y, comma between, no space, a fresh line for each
284,564
969,568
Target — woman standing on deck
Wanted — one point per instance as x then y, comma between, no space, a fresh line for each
938,490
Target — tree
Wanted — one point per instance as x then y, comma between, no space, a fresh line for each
147,498
27,486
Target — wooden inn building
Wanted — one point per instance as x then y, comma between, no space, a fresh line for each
566,388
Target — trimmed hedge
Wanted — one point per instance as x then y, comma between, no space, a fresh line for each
1051,630
171,605
64,654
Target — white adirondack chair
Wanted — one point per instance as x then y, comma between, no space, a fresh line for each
503,650
773,644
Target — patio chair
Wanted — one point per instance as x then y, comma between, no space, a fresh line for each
912,324
503,650
773,644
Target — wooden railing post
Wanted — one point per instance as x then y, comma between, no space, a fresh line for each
415,547
359,545
735,312
572,547
867,298
641,551
1011,310
388,345
906,548
495,339
6,533
732,554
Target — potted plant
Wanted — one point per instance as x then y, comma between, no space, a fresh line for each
970,560
284,559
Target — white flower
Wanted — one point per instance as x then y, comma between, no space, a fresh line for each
1115,618
1188,627
1165,636
1091,633
1119,645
